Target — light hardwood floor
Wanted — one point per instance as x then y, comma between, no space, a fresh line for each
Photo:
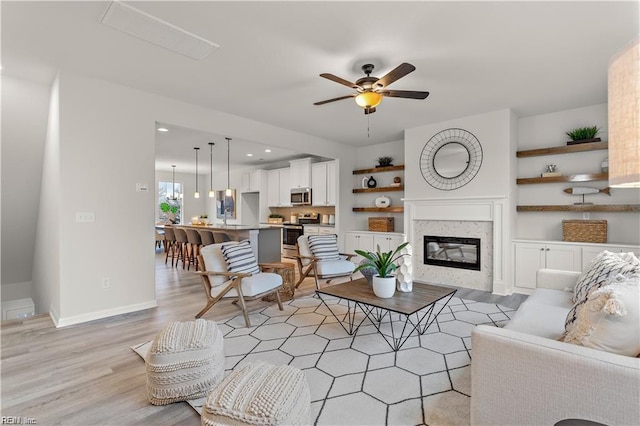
87,374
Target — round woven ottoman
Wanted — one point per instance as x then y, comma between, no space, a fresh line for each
260,394
185,361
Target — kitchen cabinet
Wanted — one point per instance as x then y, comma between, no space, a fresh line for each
252,181
324,183
319,230
278,188
531,256
300,173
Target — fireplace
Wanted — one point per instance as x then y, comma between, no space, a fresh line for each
452,252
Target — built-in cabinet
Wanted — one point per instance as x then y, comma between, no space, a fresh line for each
251,181
324,183
529,256
300,173
368,241
279,188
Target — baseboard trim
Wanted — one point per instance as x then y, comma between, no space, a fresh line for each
105,313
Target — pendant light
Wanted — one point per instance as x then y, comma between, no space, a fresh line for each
211,191
196,194
228,190
173,184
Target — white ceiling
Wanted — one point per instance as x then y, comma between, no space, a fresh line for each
473,57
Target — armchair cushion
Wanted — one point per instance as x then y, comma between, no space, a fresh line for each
334,267
255,284
324,247
240,258
214,261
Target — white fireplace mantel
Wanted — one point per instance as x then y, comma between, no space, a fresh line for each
480,209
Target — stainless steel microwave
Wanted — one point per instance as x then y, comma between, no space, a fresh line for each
300,196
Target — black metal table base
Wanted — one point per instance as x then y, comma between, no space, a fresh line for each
423,320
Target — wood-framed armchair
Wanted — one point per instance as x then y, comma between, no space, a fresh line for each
310,265
219,283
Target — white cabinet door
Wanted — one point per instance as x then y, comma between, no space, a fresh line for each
589,252
563,257
255,180
327,230
355,241
311,230
529,257
332,183
300,173
386,241
319,184
285,188
273,188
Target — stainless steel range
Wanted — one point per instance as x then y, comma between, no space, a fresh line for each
291,232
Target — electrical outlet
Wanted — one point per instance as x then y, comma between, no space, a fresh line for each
586,215
85,217
106,282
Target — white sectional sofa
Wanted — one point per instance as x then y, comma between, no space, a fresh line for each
521,375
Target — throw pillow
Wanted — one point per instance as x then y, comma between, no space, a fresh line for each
324,247
240,257
610,319
602,269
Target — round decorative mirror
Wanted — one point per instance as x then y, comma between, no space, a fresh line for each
450,159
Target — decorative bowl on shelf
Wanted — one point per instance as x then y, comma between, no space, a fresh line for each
383,202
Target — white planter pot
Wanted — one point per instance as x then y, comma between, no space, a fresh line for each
384,287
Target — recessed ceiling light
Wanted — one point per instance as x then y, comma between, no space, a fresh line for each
249,155
163,129
267,150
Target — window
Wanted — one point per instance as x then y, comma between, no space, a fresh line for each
169,202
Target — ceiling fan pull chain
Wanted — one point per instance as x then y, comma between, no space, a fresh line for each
368,126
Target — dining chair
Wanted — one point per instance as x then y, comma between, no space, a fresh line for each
182,243
193,247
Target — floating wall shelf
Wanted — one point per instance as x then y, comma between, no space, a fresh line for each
379,209
379,189
569,149
585,177
610,208
379,169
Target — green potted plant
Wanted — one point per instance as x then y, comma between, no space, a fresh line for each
275,218
169,210
384,284
583,135
384,161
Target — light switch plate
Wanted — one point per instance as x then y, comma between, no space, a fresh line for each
142,187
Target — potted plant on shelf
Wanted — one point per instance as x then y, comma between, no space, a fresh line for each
583,135
384,284
384,161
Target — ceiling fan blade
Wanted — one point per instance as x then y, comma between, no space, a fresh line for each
339,80
409,94
395,74
353,95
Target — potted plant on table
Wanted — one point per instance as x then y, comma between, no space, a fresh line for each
384,284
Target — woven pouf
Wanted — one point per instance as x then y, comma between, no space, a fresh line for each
260,394
185,361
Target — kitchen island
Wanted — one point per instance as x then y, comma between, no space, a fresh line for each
265,240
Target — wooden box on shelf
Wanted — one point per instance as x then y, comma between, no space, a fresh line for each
585,231
381,224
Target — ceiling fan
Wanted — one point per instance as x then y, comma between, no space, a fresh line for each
371,90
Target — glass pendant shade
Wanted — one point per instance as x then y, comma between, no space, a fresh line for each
624,117
369,99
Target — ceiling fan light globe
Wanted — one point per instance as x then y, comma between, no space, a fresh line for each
368,99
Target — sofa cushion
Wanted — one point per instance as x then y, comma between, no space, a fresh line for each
604,268
610,319
542,314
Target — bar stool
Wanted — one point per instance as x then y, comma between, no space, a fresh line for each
207,237
170,244
221,237
193,237
182,243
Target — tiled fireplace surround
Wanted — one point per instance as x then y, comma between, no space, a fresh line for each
483,218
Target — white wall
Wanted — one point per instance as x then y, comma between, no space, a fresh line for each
367,157
107,135
25,106
547,130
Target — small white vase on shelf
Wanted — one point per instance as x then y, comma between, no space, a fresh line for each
384,287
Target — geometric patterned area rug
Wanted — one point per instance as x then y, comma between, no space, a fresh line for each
360,380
